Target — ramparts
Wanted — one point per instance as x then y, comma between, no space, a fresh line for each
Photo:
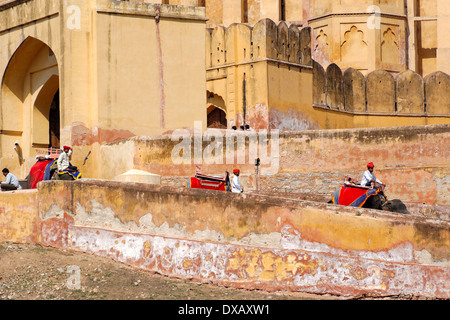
263,75
265,40
237,240
381,93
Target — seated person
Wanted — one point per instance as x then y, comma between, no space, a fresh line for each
369,178
64,158
11,183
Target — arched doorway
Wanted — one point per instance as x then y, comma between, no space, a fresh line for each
217,118
216,111
46,115
29,102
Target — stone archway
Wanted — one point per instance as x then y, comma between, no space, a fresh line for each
28,89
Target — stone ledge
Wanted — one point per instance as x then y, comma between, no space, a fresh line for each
150,9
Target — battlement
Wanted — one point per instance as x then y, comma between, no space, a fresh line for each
240,43
379,92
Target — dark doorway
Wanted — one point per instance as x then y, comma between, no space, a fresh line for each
54,122
217,119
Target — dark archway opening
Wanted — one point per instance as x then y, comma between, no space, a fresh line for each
217,118
54,122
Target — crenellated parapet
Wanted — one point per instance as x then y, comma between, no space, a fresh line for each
241,43
379,92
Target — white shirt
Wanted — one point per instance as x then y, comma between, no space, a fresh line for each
63,161
236,185
12,179
368,176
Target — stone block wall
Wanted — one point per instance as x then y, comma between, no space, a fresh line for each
412,161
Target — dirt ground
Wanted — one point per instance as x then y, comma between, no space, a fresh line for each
35,272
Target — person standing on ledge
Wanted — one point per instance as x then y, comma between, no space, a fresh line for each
11,183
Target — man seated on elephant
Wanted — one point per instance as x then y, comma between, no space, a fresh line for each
369,178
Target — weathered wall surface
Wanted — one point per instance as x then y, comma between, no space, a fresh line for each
412,161
249,241
260,75
19,217
119,69
244,241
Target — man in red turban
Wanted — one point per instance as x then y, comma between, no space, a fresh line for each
235,183
368,176
63,159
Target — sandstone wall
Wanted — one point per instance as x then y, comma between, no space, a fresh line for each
381,93
237,240
246,241
412,161
19,217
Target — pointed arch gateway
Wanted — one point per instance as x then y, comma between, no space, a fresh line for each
30,98
216,111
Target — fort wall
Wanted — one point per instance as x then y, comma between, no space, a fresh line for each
406,94
411,160
94,72
260,75
249,241
263,75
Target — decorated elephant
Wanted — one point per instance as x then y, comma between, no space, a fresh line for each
366,197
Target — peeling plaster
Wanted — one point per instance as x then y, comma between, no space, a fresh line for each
262,268
54,212
424,257
292,239
104,218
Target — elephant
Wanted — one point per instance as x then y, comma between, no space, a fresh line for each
375,199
